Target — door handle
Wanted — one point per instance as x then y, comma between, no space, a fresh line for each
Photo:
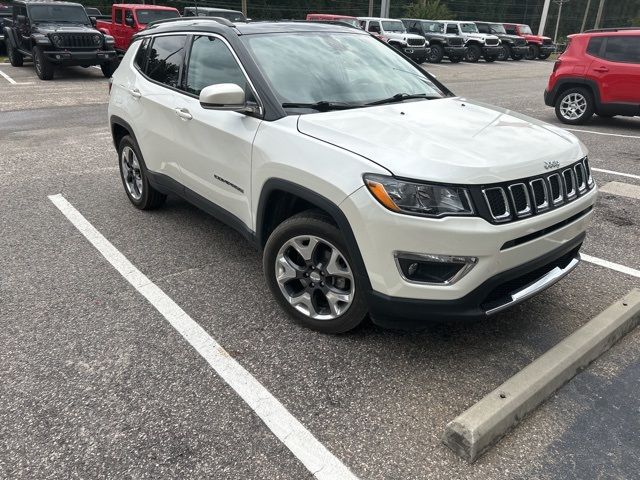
183,113
135,93
601,69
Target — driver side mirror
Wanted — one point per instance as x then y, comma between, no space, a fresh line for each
94,21
226,96
129,22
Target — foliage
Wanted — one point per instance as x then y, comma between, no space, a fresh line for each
430,9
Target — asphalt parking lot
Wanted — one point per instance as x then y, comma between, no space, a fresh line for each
96,384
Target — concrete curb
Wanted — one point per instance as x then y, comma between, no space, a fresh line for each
475,430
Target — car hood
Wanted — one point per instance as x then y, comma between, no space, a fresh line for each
506,36
402,36
481,36
50,27
450,140
536,38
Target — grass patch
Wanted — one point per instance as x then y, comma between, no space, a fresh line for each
3,59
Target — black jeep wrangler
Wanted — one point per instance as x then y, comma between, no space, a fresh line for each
442,44
56,33
513,46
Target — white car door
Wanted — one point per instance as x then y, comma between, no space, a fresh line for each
215,144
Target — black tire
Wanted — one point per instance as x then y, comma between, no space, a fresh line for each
544,56
436,54
605,115
567,117
315,224
516,57
420,60
108,68
474,53
533,53
15,57
489,59
149,197
44,68
455,59
505,53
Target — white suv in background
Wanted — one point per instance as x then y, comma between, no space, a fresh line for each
368,186
479,45
395,34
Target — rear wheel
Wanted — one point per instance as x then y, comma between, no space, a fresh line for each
505,53
474,52
310,273
15,57
455,59
575,106
516,57
533,53
436,54
44,68
489,58
544,56
135,179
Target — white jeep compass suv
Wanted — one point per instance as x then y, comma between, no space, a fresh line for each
368,186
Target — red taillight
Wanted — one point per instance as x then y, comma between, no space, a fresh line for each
557,65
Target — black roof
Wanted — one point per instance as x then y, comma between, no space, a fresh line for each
221,25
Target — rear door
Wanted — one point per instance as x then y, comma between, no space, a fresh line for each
215,145
118,27
617,69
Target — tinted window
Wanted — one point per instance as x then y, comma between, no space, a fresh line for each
147,16
165,59
483,27
623,49
511,30
141,55
595,44
58,13
128,15
374,26
211,62
452,29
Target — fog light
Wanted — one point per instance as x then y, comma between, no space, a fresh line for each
433,269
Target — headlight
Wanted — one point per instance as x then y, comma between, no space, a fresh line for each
108,39
419,198
97,39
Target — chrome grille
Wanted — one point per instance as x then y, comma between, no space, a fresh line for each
492,41
76,40
547,41
415,41
532,196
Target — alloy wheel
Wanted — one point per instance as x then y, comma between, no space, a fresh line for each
573,106
315,277
131,172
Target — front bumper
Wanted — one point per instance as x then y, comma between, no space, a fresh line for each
91,57
548,98
458,51
520,50
498,293
416,52
547,49
492,50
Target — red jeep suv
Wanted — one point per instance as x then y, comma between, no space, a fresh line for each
598,73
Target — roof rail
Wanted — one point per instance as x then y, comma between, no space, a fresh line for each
220,20
620,29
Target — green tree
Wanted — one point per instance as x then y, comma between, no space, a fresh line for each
431,9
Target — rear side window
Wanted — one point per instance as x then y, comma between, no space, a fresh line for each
165,59
452,29
211,62
595,46
511,30
483,28
623,49
141,55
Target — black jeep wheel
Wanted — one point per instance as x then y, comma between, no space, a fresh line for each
505,53
44,68
436,54
490,58
533,53
474,52
516,57
311,274
15,57
108,68
455,59
544,56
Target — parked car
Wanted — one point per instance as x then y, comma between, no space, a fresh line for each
513,46
326,17
231,15
95,13
598,73
393,32
540,47
365,183
441,44
5,12
54,33
479,45
128,19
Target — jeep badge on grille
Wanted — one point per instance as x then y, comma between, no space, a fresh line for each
551,165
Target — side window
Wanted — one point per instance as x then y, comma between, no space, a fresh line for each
595,46
363,24
211,62
623,49
117,16
165,59
141,55
483,28
374,27
189,13
128,16
511,30
452,28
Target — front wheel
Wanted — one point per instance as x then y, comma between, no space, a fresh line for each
44,68
575,106
516,57
310,273
490,59
544,56
505,53
533,53
436,54
474,52
455,59
15,57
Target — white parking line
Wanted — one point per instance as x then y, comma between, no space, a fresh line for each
311,453
622,189
7,78
602,170
601,133
613,266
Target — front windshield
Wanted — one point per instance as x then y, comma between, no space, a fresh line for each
497,28
393,26
469,27
58,14
147,16
525,29
347,68
433,27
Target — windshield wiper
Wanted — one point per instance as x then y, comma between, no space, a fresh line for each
401,97
322,106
